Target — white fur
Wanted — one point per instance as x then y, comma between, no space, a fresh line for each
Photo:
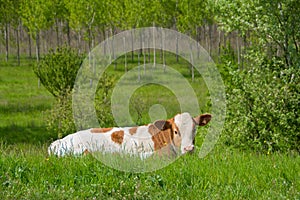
138,144
186,126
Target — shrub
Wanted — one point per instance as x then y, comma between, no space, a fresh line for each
60,117
57,72
58,69
263,107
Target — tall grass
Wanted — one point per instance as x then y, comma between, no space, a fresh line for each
23,105
27,173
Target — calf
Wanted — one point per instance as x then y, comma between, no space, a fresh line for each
172,136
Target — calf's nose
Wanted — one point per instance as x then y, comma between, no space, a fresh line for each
189,148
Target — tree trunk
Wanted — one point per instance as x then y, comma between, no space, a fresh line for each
210,30
105,42
224,40
149,50
57,32
198,41
68,33
141,44
238,48
161,45
149,55
113,48
132,52
296,44
18,43
177,56
6,34
162,50
286,51
154,56
29,43
125,56
219,46
144,57
206,39
192,62
47,37
244,46
37,46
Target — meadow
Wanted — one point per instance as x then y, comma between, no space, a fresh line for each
27,172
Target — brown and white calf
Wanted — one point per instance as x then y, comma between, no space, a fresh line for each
175,136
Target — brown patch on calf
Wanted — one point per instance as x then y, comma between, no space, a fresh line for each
100,130
162,139
86,152
117,136
177,140
163,134
133,130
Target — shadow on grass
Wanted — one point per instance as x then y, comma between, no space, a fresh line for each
28,134
23,108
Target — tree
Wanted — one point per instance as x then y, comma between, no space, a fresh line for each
82,15
61,16
6,18
262,99
37,15
274,25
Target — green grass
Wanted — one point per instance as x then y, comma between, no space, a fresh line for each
26,171
23,105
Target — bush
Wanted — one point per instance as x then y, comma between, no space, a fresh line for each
57,72
58,69
263,106
60,117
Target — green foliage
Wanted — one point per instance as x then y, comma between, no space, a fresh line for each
36,15
7,12
82,13
263,107
58,69
192,14
103,101
263,99
57,72
273,26
60,117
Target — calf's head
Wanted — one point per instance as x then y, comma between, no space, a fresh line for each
179,131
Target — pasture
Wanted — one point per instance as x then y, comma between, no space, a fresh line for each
26,171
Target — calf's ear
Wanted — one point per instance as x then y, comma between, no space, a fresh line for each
202,120
162,124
